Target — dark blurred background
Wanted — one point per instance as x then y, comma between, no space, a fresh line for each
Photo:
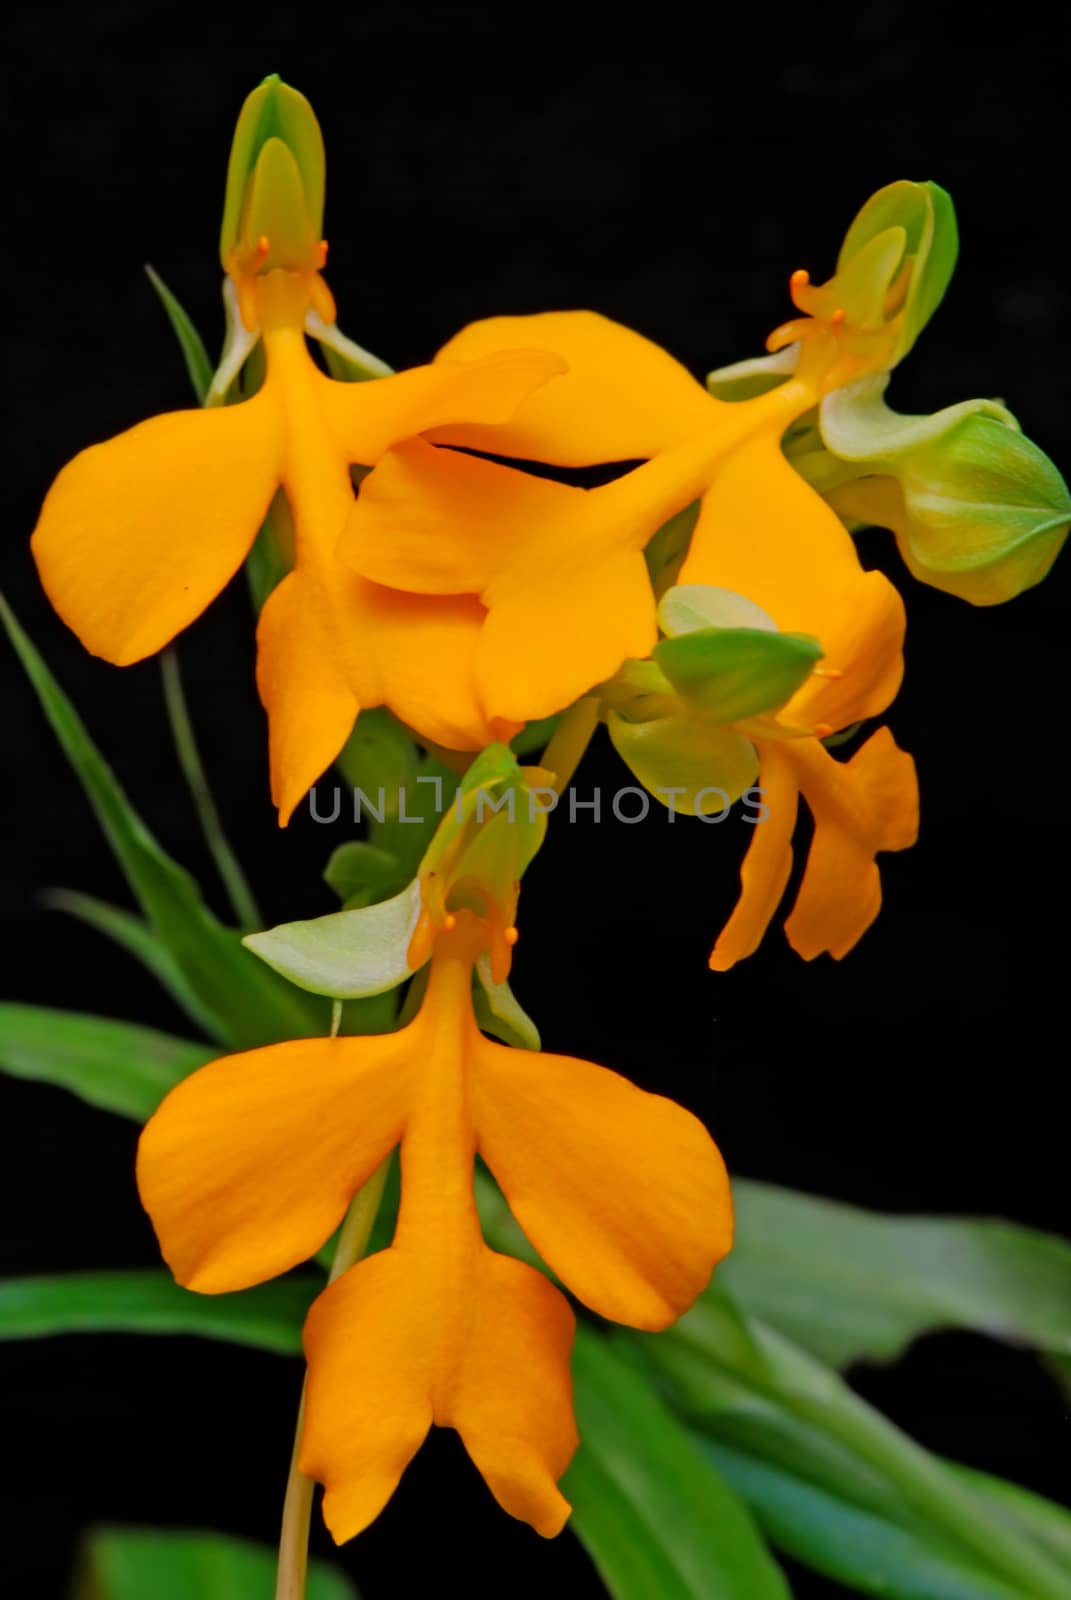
671,169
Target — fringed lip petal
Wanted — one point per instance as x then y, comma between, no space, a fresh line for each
138,535
623,1193
622,399
767,864
860,807
491,1361
249,1164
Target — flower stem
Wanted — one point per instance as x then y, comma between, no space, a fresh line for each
570,740
297,1506
234,880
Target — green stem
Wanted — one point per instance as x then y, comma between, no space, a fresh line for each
352,1243
234,879
570,740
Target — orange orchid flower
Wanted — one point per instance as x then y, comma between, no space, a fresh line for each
138,535
250,1164
562,572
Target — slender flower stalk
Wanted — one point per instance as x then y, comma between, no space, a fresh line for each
352,1243
227,863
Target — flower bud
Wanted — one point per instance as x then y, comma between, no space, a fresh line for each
273,208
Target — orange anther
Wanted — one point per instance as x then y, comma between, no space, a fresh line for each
321,254
449,922
838,317
822,730
263,245
511,936
800,278
828,672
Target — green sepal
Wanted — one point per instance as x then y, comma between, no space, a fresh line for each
275,177
977,509
347,954
731,674
686,762
925,215
743,380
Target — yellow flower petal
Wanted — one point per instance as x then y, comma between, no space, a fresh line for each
366,419
138,535
860,807
768,862
249,1165
446,1334
765,533
438,522
424,649
561,569
303,683
623,1193
623,398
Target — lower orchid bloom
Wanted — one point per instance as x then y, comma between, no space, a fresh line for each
138,535
249,1165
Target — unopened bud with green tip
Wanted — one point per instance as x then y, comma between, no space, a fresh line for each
682,721
977,509
274,202
892,271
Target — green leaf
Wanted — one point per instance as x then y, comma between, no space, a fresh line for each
656,1518
730,674
198,365
151,1564
361,873
148,1300
851,1285
134,935
346,954
117,1066
248,1004
748,1388
860,1548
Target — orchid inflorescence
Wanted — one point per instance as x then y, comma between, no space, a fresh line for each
707,605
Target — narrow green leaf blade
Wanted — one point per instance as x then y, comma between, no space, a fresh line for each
250,1005
851,1285
134,935
769,1398
115,1065
654,1516
861,1549
148,1300
139,1563
191,344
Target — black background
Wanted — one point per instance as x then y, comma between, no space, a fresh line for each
671,170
